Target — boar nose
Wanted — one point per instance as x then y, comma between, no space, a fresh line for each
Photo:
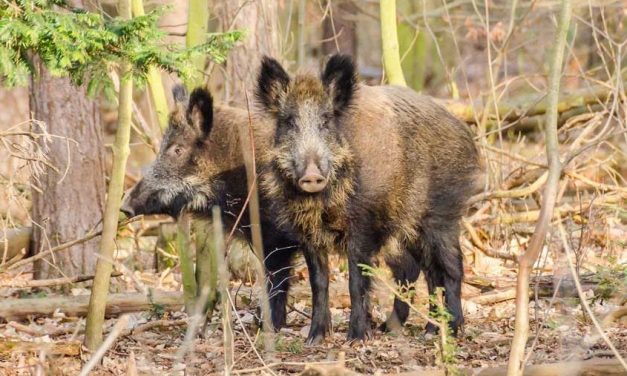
312,181
126,207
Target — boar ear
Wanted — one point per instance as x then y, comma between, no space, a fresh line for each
272,83
200,111
340,80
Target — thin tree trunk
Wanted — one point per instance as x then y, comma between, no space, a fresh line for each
389,40
197,24
68,203
260,19
100,288
157,93
516,364
413,46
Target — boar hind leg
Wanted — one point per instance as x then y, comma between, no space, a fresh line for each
446,270
278,262
405,270
321,324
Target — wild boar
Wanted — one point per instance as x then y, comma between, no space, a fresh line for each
369,171
200,165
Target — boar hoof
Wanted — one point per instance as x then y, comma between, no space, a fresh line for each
314,340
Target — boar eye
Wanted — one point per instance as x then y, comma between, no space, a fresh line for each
177,150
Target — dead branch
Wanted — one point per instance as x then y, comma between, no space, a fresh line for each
15,242
77,305
61,247
51,282
592,367
37,333
574,103
614,316
8,348
153,325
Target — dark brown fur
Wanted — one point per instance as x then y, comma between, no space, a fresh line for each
401,170
199,166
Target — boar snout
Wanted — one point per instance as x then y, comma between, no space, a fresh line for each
312,180
126,207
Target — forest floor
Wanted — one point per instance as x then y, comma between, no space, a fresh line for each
562,331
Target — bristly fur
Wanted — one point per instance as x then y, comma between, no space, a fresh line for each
318,218
340,77
399,169
272,82
199,166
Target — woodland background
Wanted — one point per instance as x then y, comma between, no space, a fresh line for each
487,61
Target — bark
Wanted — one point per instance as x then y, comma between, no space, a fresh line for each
389,40
102,279
516,364
69,203
77,305
260,20
339,32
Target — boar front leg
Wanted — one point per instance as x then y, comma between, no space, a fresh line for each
321,324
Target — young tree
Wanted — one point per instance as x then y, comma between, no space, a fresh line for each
389,40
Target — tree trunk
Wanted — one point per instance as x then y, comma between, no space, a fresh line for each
260,20
339,33
67,203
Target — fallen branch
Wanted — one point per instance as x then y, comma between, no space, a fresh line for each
153,325
592,367
511,110
50,282
33,332
8,348
533,215
15,241
77,305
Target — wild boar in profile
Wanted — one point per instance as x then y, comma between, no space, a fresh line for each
368,170
200,165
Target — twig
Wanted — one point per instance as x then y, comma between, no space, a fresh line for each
516,364
255,228
152,325
283,364
227,331
582,297
61,247
108,342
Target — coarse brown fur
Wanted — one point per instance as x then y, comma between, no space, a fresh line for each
200,165
400,169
